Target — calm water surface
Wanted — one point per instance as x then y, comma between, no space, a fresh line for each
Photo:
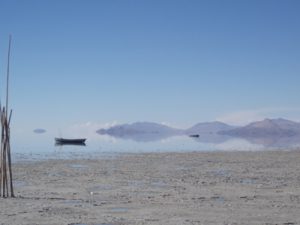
42,146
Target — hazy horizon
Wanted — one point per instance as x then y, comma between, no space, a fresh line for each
172,62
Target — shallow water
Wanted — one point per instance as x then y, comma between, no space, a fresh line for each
19,183
218,199
88,224
119,210
42,146
78,166
73,202
248,181
101,187
222,173
159,184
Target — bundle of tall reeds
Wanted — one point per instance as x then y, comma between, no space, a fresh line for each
6,180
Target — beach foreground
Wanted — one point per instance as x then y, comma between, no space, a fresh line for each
158,188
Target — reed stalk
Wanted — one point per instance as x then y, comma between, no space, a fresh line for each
6,179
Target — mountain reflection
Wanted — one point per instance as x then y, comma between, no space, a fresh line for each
142,137
268,142
276,142
212,138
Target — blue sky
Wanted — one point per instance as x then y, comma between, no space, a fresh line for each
173,61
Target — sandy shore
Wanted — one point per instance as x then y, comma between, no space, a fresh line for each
159,188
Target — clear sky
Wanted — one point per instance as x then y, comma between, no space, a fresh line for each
173,61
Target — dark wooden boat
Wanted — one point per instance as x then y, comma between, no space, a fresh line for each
62,141
194,135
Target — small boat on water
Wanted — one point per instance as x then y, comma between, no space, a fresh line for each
63,141
194,135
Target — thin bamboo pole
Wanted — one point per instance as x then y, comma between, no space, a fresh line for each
9,157
4,160
7,73
1,151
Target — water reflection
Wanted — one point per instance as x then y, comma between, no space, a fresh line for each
143,137
251,143
66,144
35,146
276,142
212,138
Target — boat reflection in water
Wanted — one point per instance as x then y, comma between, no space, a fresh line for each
63,141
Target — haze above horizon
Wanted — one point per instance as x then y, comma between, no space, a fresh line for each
176,62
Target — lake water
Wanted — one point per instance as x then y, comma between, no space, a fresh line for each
42,146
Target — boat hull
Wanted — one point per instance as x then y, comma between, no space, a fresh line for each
70,141
194,135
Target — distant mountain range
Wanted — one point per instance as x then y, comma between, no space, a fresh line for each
140,128
265,128
209,128
155,128
141,131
